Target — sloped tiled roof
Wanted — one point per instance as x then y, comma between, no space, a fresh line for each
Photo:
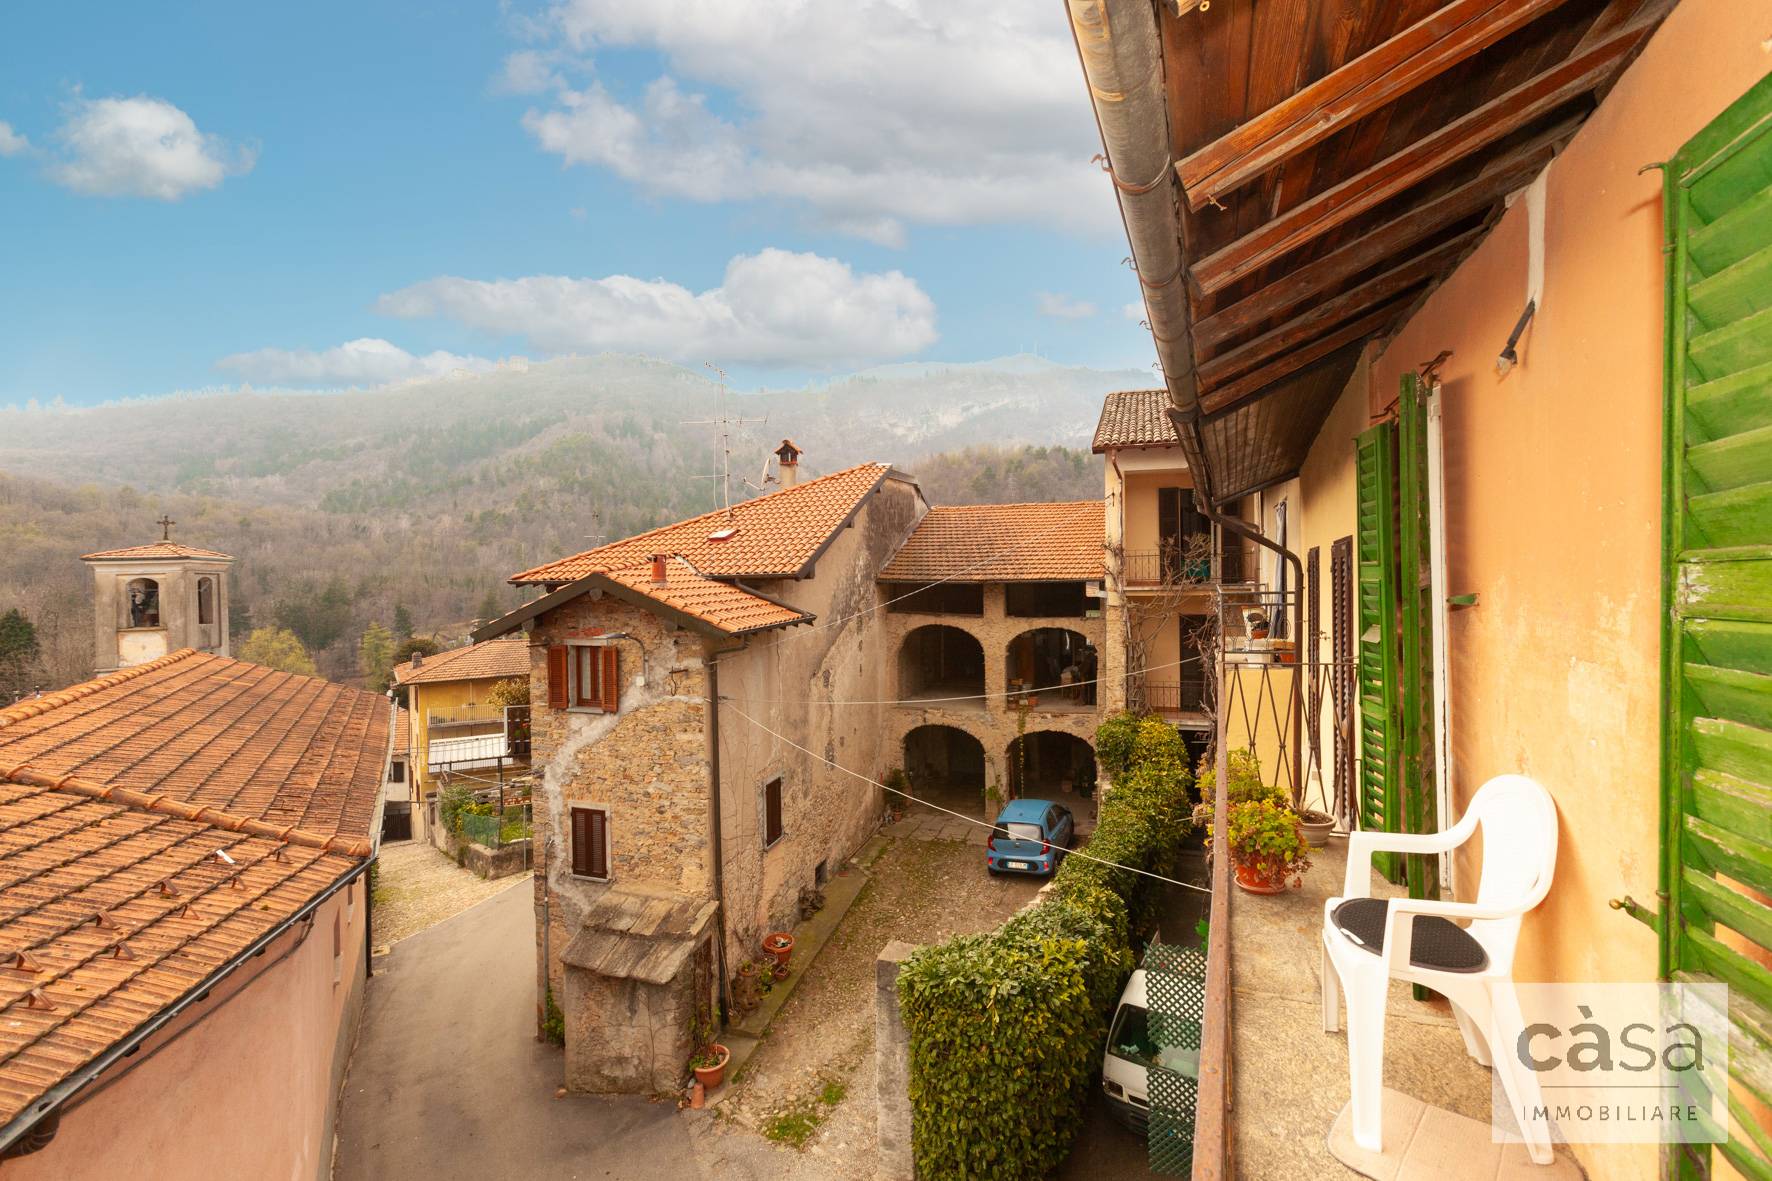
731,609
118,799
402,730
777,535
1135,418
1055,542
507,656
155,551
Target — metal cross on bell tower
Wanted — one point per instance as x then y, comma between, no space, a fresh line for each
166,523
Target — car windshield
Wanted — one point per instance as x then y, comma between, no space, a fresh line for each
1131,1037
1024,832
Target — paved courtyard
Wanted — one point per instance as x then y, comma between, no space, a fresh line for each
417,886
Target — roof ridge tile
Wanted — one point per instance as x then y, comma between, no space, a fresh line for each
34,706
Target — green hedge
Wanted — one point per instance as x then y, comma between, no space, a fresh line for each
1007,1028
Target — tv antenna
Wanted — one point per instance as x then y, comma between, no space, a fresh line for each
723,424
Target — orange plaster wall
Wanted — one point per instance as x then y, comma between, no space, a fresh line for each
1553,487
249,1091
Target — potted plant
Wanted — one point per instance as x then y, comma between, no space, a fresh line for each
746,988
1268,846
1317,826
779,970
709,1065
778,946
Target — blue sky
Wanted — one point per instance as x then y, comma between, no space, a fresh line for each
324,195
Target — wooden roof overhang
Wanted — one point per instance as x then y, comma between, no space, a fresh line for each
1336,160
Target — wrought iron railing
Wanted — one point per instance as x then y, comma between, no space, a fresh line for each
1172,566
1185,696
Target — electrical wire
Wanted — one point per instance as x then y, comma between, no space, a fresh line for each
958,815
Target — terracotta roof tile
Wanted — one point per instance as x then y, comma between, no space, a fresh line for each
117,797
775,537
402,730
1135,418
1003,543
507,656
153,550
730,608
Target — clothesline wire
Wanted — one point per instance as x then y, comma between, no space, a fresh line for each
958,815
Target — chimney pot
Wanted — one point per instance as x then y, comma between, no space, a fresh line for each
788,463
418,659
658,567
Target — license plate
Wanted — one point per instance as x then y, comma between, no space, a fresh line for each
1019,865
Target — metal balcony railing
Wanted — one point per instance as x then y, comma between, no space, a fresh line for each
1169,566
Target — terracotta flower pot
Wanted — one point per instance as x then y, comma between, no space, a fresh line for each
778,946
712,1076
780,971
1253,882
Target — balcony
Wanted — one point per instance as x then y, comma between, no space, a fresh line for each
1169,566
1181,701
466,737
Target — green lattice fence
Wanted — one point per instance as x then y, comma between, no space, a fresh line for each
1175,1002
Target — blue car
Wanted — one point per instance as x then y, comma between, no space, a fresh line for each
1030,836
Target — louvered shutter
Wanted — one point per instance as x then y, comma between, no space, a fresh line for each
609,678
558,696
1415,617
1717,591
590,842
1375,466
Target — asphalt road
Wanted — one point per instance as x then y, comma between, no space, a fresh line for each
448,1080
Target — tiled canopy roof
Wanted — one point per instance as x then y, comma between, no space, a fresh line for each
402,731
155,824
729,608
507,656
1135,418
1003,543
155,550
775,536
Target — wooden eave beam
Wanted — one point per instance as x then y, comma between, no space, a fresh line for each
1367,251
1256,380
1312,218
1378,289
1373,80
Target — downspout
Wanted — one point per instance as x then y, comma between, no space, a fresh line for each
1120,49
711,666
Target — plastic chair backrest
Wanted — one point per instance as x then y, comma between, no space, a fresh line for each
1519,824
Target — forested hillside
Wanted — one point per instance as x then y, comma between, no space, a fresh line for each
344,508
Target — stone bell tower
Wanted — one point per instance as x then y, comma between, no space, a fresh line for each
152,599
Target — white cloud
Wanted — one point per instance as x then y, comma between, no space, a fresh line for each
772,308
872,114
1063,307
141,147
529,71
11,142
1134,311
367,361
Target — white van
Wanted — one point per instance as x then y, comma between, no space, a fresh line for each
1131,1052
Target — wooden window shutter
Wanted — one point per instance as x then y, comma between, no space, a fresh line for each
1380,804
590,842
1716,765
581,841
557,678
609,679
772,827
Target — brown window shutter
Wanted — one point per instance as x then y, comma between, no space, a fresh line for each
557,698
599,843
581,840
772,812
609,683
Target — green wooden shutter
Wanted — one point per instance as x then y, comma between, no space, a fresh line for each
1717,594
1416,619
1380,808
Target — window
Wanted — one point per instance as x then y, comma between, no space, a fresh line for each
141,601
205,600
397,771
771,812
584,677
338,951
590,843
1282,575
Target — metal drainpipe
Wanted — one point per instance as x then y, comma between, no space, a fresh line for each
711,666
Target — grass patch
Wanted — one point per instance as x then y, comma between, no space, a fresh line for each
793,1126
832,1093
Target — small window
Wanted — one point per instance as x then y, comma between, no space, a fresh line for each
584,677
338,951
205,600
397,771
771,812
590,843
821,873
141,600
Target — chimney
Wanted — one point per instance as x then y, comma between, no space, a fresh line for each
418,660
658,568
788,463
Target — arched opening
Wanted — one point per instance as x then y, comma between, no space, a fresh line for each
1052,766
945,766
205,600
941,662
1056,665
141,603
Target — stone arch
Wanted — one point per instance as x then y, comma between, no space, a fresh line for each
939,661
1043,763
946,765
141,603
1046,658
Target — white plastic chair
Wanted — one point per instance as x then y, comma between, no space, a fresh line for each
1366,945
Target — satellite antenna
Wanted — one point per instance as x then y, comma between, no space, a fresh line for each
764,479
723,425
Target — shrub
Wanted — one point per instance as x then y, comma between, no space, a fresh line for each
1114,740
1268,838
1245,780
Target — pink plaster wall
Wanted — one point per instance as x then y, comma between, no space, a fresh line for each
248,1091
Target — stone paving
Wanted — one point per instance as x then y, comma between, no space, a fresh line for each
417,886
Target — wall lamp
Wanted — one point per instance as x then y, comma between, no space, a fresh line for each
1509,355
